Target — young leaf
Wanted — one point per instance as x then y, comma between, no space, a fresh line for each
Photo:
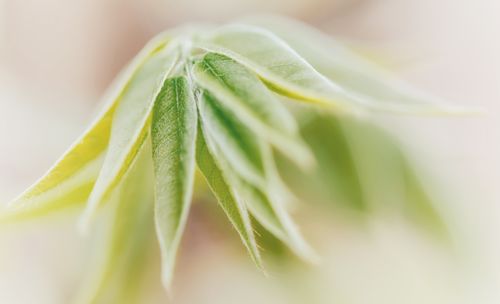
64,183
269,213
217,179
279,65
173,133
244,94
72,192
130,124
351,71
123,252
273,217
239,145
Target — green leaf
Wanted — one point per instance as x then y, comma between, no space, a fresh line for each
353,72
279,65
273,217
270,213
244,94
123,252
130,124
71,179
173,133
288,73
217,178
239,144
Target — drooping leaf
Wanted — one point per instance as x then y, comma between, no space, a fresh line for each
240,121
130,124
239,145
73,192
279,65
173,133
247,98
218,180
273,217
123,253
289,74
265,200
72,177
353,72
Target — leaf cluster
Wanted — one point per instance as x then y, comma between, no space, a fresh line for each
212,99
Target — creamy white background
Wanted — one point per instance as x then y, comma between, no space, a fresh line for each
56,58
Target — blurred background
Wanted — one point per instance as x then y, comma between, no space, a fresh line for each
57,58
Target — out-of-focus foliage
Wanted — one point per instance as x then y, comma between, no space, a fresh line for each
213,96
363,169
126,234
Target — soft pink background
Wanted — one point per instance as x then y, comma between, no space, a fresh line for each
57,57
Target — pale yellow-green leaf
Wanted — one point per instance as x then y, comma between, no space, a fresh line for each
279,65
246,97
73,192
353,72
122,253
71,179
173,133
130,124
218,179
283,68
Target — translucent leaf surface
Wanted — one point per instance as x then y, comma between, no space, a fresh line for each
279,65
123,254
246,96
130,124
217,178
71,179
290,74
73,192
173,133
351,71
